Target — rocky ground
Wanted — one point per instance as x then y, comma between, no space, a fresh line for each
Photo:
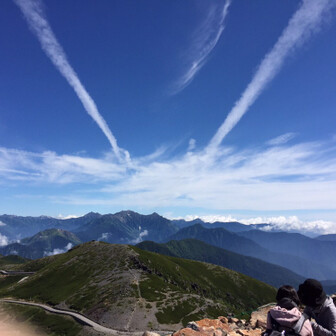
225,326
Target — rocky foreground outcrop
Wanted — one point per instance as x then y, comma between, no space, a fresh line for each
226,326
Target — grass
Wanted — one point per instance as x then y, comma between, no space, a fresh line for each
98,278
175,313
237,291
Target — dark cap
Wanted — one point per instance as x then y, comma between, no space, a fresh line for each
311,293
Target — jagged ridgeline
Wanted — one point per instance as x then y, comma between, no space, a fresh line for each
123,287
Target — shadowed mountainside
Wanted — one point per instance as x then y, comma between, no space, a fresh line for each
197,250
51,241
240,244
127,227
317,251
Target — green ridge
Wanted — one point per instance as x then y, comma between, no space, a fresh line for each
107,282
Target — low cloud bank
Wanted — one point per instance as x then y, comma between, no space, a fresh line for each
276,223
141,235
3,240
105,236
59,251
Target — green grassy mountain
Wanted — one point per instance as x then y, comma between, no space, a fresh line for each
48,242
126,288
11,260
197,250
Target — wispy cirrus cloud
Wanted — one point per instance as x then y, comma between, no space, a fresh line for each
33,12
49,167
304,23
281,139
204,41
287,177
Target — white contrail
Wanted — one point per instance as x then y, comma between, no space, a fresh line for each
35,17
206,40
303,23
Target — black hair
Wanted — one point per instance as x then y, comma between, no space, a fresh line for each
287,297
311,293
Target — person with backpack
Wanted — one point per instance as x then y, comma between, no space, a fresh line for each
285,318
319,307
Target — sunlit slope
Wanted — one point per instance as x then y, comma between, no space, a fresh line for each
124,287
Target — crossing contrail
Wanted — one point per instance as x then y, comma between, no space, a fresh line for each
305,21
38,23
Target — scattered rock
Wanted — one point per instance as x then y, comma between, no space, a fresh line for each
249,332
233,333
259,317
193,325
216,324
227,326
223,319
150,333
201,332
233,320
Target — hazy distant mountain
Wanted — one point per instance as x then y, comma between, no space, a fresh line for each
329,286
109,282
314,250
328,237
181,223
230,226
236,242
221,238
197,250
18,227
127,227
48,242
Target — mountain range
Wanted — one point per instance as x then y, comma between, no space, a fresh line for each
304,256
239,243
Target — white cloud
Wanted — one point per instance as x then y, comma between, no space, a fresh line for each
192,145
58,251
293,223
104,236
205,40
60,216
281,139
2,223
33,12
141,235
3,240
50,167
277,223
306,21
288,177
210,218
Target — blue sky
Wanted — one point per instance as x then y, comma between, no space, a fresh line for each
213,108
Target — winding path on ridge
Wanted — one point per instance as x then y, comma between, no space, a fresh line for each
77,316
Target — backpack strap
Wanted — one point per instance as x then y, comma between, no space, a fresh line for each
275,324
299,324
